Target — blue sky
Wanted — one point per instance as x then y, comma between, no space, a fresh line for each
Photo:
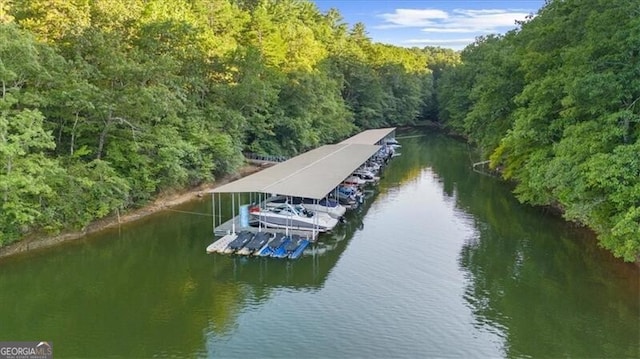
450,24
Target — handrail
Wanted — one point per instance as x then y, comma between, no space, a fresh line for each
264,158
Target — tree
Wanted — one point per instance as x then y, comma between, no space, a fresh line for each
107,103
554,103
25,168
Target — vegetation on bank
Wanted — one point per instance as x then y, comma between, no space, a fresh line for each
104,104
555,105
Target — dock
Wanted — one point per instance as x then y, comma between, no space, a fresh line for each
313,175
226,228
222,243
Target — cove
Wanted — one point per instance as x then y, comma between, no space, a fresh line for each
440,262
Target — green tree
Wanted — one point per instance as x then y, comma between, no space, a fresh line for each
555,104
25,168
107,103
53,20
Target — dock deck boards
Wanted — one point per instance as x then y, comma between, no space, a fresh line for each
221,244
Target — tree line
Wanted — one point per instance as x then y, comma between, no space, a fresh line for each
555,106
106,103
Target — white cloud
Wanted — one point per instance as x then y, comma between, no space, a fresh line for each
457,21
412,18
453,29
485,20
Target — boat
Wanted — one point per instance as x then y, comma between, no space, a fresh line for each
373,167
384,154
256,243
350,193
302,245
241,240
278,241
348,196
366,175
354,181
281,251
293,248
346,201
289,216
331,207
392,142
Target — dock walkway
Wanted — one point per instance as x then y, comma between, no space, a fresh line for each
227,228
219,245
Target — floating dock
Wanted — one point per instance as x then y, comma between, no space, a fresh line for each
291,247
222,243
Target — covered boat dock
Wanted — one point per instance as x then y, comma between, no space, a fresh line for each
313,174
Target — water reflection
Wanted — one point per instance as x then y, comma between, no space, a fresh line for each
518,283
148,288
541,283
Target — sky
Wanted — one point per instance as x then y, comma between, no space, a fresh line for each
445,23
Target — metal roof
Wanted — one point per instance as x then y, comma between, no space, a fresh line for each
312,174
370,137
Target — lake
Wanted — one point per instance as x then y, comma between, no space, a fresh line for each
439,262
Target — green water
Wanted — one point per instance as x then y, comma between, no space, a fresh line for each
441,262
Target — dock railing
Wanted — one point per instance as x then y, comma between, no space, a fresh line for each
263,159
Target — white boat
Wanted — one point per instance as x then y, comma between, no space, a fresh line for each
354,181
331,207
288,216
350,196
366,175
373,167
393,143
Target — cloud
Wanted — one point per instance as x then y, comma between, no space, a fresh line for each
412,18
453,29
485,20
456,21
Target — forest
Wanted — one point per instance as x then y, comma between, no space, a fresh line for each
555,106
106,104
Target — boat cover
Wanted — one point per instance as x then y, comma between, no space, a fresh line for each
293,244
259,240
278,240
241,240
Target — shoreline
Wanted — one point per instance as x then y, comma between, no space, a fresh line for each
163,201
